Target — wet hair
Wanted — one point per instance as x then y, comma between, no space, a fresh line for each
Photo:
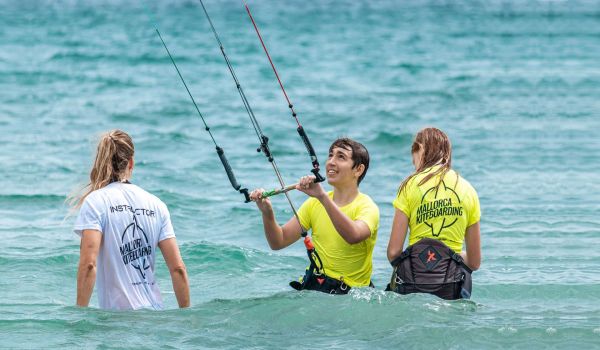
360,155
115,150
437,150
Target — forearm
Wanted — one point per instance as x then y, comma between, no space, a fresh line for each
181,285
472,255
398,235
273,231
471,264
347,228
394,249
86,278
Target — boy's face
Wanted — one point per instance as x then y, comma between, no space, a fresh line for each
339,168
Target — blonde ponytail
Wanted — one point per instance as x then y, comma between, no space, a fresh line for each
115,150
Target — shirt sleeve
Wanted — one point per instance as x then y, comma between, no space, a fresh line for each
402,202
369,213
475,210
304,214
166,230
89,218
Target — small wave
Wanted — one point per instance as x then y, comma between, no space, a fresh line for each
79,56
461,78
31,198
40,260
389,139
145,58
410,67
206,253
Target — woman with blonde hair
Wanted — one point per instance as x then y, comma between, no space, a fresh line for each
120,226
441,210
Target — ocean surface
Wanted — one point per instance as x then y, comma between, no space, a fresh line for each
515,84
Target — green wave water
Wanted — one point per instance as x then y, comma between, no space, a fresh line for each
516,85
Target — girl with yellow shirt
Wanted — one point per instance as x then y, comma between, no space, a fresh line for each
439,210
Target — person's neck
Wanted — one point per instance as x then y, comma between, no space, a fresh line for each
344,195
127,176
125,179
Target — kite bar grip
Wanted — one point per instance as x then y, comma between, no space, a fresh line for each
311,152
309,147
227,167
230,174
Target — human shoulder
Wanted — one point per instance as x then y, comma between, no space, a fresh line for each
466,185
150,197
365,202
364,198
414,181
142,192
367,211
411,185
466,191
96,196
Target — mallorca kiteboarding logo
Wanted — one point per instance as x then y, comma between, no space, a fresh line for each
445,203
137,248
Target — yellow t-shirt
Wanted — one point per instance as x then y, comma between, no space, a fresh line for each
353,262
444,214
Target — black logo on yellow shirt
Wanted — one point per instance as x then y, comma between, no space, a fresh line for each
445,204
135,247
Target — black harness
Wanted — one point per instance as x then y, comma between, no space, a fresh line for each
321,283
430,266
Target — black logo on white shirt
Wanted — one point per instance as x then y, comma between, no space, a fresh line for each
135,247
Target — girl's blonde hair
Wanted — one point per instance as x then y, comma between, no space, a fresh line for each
115,150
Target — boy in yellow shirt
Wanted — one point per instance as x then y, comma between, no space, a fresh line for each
344,222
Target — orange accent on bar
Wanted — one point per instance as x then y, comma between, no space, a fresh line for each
308,243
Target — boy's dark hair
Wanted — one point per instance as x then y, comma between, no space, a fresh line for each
360,155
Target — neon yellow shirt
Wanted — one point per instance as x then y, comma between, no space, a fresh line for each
353,262
444,214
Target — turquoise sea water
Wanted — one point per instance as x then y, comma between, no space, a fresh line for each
516,85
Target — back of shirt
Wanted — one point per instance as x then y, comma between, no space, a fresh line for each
441,213
132,222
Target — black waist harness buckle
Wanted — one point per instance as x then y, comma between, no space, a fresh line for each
430,266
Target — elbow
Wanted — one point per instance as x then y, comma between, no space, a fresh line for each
392,254
475,265
90,266
179,270
275,240
275,246
352,240
355,238
87,267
